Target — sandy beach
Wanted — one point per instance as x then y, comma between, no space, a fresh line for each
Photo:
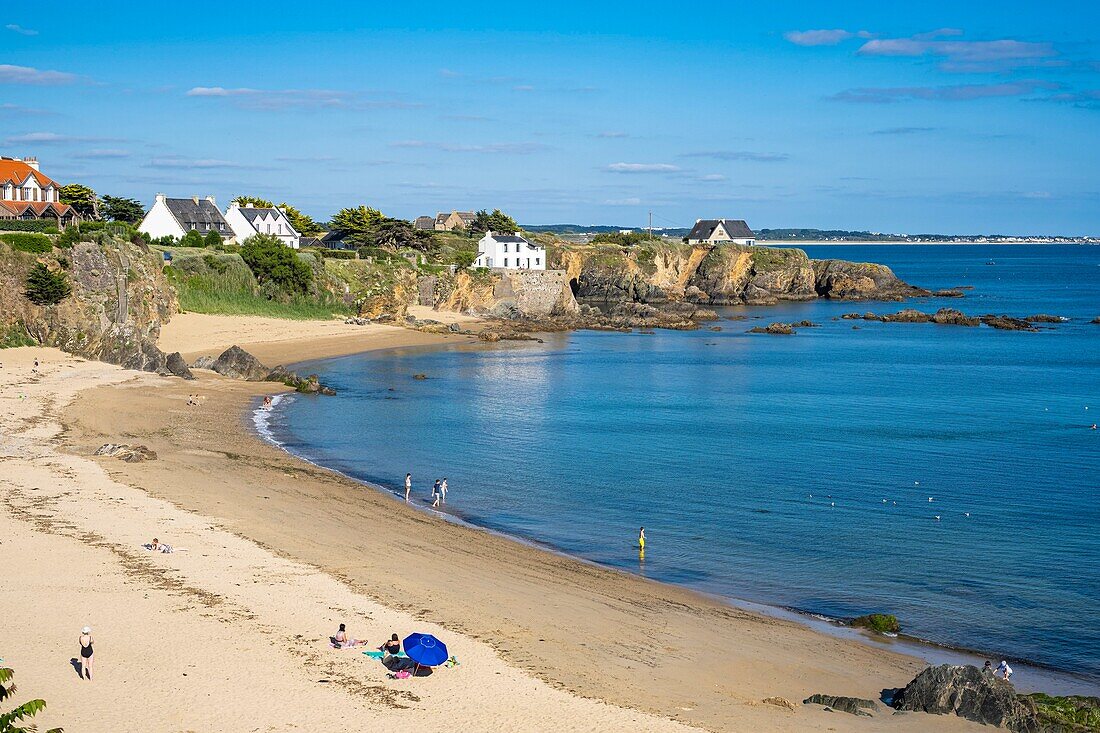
231,634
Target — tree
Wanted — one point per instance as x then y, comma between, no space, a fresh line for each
358,223
192,239
81,198
10,719
212,239
498,221
117,208
256,201
273,262
397,233
302,223
45,287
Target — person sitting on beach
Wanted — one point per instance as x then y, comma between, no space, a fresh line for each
1004,670
341,640
158,546
988,668
391,648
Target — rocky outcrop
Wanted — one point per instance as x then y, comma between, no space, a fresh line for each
851,705
883,623
1007,323
949,317
128,453
512,294
175,364
842,280
236,363
969,693
120,298
952,317
1045,318
303,385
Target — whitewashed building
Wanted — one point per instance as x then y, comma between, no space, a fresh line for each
176,217
721,231
248,220
509,252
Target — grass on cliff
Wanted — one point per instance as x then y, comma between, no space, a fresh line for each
1073,713
222,284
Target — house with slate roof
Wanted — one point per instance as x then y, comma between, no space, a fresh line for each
249,219
721,231
509,252
28,194
176,217
446,222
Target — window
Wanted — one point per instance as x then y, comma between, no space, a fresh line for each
505,246
506,260
26,193
536,262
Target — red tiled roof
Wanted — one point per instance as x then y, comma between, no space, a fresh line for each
39,207
17,172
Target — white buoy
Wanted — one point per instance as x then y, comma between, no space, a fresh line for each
937,517
930,498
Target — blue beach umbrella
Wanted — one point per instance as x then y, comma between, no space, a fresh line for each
425,649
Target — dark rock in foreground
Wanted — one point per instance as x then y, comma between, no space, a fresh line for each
972,694
776,329
175,364
236,363
853,705
1045,318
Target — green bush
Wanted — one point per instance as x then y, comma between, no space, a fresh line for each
28,241
92,226
69,237
45,226
337,254
212,239
45,287
12,337
192,239
275,264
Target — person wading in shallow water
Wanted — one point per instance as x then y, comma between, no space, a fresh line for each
408,486
641,539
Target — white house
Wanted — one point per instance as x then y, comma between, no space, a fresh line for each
248,220
176,217
721,231
509,252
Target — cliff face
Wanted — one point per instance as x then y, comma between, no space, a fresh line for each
513,294
119,300
718,275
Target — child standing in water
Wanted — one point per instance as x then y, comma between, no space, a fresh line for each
641,539
408,486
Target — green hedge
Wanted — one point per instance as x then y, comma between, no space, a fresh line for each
28,241
45,226
336,254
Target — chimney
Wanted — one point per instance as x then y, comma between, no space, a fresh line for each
161,198
250,205
195,199
234,204
32,162
211,200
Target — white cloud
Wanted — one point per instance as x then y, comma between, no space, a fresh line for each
822,37
281,99
53,138
738,155
965,56
632,201
102,153
488,148
176,161
642,168
712,177
21,30
10,74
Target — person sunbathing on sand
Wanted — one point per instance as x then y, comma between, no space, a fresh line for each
341,640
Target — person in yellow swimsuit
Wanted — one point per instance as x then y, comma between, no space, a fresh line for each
641,539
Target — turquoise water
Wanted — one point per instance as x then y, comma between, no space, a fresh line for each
793,471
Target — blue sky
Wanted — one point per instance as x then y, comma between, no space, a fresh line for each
930,117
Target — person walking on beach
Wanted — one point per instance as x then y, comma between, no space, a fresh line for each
408,486
435,493
443,490
85,641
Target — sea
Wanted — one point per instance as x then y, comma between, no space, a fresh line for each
944,474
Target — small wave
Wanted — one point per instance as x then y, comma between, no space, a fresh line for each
261,419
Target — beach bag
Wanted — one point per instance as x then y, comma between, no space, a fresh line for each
402,675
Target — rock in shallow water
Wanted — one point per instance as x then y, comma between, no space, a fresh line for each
237,363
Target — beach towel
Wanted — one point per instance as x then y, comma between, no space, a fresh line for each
380,655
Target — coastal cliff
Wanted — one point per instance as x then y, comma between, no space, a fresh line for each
728,274
119,300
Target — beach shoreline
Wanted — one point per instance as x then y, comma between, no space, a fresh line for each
582,642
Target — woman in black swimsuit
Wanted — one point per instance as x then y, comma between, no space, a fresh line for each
85,652
392,647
